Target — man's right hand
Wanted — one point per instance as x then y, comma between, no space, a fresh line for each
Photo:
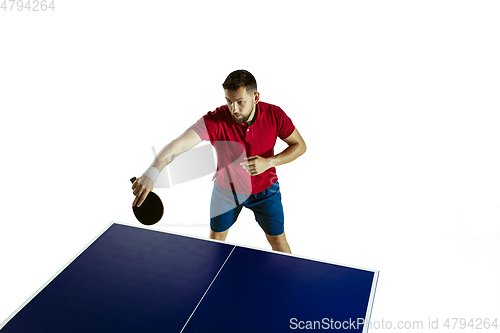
141,187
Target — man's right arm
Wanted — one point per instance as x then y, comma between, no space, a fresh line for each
183,143
143,185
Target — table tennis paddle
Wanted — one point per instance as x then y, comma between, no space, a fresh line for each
151,210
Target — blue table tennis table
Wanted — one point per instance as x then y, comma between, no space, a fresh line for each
137,279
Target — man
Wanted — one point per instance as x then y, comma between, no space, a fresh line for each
243,133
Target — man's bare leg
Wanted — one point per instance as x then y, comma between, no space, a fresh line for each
219,235
279,243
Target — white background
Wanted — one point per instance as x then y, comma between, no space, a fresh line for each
397,101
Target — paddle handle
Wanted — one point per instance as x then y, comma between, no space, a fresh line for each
132,179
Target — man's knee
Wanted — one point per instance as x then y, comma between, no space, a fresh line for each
219,235
279,242
276,239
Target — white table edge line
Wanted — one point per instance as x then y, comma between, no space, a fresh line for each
207,290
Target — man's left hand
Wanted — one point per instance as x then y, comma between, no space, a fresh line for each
255,165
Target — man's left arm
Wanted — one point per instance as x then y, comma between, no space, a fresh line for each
296,146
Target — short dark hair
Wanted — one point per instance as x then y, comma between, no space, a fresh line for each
240,78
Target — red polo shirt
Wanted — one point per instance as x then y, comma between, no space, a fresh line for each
234,142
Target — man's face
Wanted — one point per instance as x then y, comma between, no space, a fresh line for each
241,104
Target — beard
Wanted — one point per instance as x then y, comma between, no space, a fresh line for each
243,119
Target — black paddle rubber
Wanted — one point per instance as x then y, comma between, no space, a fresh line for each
151,210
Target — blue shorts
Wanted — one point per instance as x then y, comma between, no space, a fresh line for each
226,205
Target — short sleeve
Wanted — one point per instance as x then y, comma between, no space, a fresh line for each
285,124
201,129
